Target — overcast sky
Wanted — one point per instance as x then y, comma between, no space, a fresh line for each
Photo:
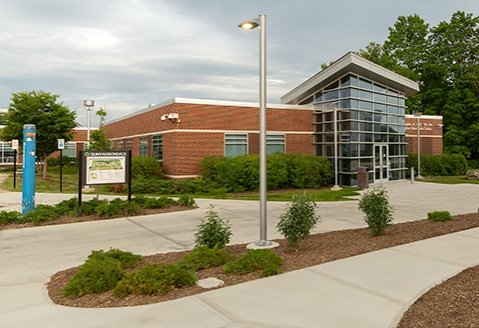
126,54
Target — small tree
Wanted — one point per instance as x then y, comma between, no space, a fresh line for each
378,212
53,121
98,139
299,219
213,231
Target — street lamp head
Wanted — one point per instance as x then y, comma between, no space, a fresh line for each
250,24
89,103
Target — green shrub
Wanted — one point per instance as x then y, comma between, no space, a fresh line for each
439,216
126,259
90,206
108,210
186,200
299,219
146,166
67,207
213,231
308,171
159,202
439,165
203,258
256,260
155,279
96,275
7,217
41,213
277,171
241,173
378,212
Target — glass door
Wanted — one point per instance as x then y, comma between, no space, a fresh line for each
381,163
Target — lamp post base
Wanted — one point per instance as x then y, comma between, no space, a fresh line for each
419,177
335,188
262,244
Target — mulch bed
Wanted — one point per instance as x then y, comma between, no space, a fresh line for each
448,303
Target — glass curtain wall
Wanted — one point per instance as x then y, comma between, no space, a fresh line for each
370,129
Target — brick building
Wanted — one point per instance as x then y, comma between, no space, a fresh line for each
182,131
430,134
366,101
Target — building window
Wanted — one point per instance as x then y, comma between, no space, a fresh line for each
158,147
70,149
6,152
236,144
275,143
143,146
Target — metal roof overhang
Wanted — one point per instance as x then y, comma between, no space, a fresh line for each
350,63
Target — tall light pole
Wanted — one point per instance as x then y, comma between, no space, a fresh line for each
88,103
418,116
249,25
335,131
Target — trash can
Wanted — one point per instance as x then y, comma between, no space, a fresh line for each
363,177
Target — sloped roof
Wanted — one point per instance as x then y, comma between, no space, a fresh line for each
350,63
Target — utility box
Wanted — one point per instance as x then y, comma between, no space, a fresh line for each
363,177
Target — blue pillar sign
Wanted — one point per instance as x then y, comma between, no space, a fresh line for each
29,155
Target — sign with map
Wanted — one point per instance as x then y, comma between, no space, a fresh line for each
106,167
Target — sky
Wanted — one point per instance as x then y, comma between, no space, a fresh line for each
128,54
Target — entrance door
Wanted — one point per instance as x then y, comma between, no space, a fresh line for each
381,163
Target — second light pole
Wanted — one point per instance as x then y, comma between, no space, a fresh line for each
88,105
249,25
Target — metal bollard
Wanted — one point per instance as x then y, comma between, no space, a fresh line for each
412,174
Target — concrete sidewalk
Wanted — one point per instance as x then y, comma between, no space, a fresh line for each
370,290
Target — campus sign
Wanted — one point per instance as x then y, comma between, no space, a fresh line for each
105,167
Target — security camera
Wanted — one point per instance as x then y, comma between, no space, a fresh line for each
164,117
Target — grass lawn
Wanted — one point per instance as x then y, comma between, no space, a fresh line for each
70,186
449,179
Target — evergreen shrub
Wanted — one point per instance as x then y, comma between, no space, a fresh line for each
439,216
263,260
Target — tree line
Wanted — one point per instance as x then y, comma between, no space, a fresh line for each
444,60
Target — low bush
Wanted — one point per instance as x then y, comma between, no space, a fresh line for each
96,275
263,260
203,258
41,213
8,217
158,202
439,165
186,200
126,259
241,173
213,231
146,166
155,279
308,171
378,212
439,216
90,206
67,207
298,220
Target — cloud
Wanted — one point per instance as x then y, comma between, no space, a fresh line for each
130,53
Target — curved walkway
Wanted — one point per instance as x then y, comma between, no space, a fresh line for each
370,290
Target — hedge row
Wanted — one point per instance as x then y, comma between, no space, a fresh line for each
441,165
241,173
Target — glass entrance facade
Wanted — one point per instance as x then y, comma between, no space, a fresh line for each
369,122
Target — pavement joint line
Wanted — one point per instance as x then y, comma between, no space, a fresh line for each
218,309
184,246
356,286
435,259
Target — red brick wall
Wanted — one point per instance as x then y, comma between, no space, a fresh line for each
430,134
186,142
